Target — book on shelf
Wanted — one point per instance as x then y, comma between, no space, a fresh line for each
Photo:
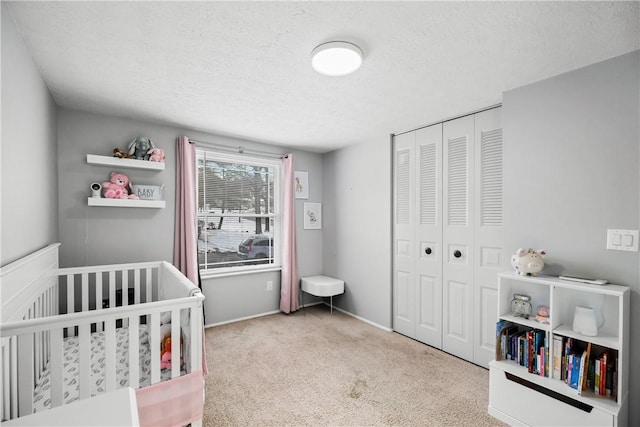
557,357
523,345
596,383
603,374
584,370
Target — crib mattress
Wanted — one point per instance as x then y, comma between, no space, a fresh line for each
71,387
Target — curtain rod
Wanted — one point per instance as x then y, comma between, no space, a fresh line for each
239,149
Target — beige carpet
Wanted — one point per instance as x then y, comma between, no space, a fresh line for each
312,368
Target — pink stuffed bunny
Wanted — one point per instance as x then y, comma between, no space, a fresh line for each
156,155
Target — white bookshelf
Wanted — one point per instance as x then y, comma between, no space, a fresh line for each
517,396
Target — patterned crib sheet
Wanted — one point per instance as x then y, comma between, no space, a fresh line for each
71,387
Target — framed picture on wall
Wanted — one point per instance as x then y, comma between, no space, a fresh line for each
301,184
313,216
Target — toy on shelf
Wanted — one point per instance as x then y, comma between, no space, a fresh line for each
140,147
542,314
156,155
528,262
117,187
117,152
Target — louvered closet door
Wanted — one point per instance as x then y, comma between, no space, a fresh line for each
458,253
490,253
428,236
404,306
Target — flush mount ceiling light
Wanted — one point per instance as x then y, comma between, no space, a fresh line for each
336,58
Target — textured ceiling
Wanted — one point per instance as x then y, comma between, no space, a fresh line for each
243,68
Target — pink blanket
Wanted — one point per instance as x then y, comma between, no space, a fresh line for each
176,402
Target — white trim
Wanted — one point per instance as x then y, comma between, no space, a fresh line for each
276,216
268,313
227,271
384,328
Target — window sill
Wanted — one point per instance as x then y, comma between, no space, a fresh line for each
227,272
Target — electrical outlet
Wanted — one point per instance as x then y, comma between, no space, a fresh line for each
622,240
269,285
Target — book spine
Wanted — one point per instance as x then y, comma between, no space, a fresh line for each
530,351
596,383
614,385
581,374
575,371
603,375
557,357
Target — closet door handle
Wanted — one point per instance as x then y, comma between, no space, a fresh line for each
457,253
428,251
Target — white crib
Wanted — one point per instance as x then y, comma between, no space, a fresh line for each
71,333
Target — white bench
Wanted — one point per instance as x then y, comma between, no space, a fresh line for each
322,286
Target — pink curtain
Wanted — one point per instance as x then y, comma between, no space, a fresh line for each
185,239
185,249
289,275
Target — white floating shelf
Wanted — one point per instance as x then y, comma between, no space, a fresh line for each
124,163
126,203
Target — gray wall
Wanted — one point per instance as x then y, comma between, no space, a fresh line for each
357,228
29,200
572,162
105,235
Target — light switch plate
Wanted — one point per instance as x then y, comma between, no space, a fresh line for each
622,240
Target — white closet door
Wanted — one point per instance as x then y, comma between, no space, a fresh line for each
490,254
429,235
404,307
458,294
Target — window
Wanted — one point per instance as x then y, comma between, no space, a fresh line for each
238,212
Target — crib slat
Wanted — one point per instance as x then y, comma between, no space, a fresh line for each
134,358
99,291
99,327
136,286
14,376
175,343
56,367
148,277
37,346
110,355
125,294
154,343
71,332
25,374
193,340
112,289
125,288
84,362
85,292
7,379
70,293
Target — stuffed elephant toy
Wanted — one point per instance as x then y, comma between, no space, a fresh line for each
140,147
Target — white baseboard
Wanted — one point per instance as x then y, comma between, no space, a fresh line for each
268,313
211,325
384,328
